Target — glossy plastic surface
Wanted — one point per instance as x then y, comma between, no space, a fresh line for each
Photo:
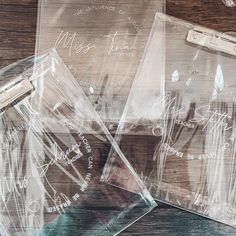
101,42
178,129
53,149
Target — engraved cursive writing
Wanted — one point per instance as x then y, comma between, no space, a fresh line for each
71,41
206,117
115,45
60,156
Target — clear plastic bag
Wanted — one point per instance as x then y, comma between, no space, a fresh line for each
101,42
178,128
53,149
229,3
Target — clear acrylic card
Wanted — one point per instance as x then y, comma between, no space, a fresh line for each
53,149
101,42
178,128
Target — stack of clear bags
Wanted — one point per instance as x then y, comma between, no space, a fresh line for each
166,86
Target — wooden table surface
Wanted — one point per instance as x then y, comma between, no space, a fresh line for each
17,40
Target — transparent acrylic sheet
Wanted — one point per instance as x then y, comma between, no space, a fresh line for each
178,128
102,44
53,149
229,3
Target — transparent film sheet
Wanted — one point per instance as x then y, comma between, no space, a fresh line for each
101,42
53,149
229,3
178,129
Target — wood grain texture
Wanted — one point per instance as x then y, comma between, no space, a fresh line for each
210,13
17,39
17,30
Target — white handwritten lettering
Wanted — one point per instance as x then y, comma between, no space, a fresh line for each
70,41
116,46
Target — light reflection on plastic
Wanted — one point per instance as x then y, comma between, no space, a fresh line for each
175,76
219,81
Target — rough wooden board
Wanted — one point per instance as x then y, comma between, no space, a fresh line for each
17,39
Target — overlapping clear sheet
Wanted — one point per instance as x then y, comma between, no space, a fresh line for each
53,149
101,42
178,128
229,3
